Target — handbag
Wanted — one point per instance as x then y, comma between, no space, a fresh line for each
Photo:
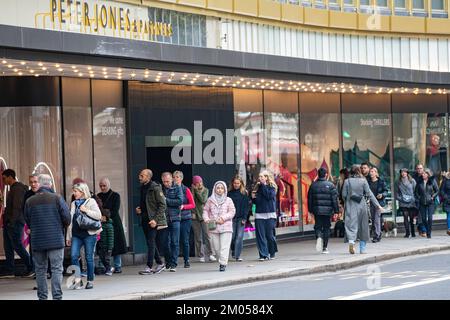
354,197
406,198
212,225
87,223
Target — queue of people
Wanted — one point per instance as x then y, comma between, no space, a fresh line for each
168,212
90,224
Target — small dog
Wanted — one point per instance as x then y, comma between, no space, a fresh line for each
339,228
389,227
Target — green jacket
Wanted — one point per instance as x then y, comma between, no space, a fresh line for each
107,236
156,204
200,198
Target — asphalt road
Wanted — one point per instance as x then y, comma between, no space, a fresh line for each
422,277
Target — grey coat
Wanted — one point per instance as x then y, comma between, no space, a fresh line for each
357,214
406,188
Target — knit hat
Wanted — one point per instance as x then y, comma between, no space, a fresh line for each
77,181
196,179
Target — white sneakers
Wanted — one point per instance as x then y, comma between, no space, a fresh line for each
319,244
212,258
202,259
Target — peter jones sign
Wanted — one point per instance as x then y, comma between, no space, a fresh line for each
107,18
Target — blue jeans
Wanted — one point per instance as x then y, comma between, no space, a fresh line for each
41,259
238,238
117,262
12,241
174,242
448,220
265,237
185,231
89,247
427,217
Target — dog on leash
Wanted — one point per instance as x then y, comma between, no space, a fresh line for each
390,227
339,229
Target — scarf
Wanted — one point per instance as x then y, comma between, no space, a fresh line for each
219,199
78,204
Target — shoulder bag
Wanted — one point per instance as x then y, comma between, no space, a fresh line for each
354,197
87,223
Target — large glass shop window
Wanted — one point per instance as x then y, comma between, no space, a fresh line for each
281,119
77,118
420,134
109,129
319,143
248,124
366,133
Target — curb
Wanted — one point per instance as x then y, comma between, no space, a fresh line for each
333,267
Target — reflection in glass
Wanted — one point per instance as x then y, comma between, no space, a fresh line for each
366,139
29,138
110,153
78,147
282,161
319,148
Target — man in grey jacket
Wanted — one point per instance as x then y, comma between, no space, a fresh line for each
47,215
13,225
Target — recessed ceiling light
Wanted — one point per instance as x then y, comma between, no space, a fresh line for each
89,68
146,76
4,61
80,74
31,71
56,65
20,73
172,74
44,68
106,77
40,64
23,63
104,69
36,75
60,69
170,80
73,67
91,75
133,75
10,66
15,69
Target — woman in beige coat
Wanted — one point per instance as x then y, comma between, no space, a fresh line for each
78,237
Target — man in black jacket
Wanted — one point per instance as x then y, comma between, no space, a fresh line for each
47,215
13,225
323,203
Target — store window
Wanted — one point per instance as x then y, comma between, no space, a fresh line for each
367,135
77,119
248,124
30,140
281,124
420,133
319,143
110,148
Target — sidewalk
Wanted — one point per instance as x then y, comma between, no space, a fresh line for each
294,258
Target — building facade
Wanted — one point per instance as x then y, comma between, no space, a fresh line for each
219,87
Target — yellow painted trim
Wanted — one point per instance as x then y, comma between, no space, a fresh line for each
385,29
269,9
345,20
408,24
316,17
220,5
292,13
374,23
194,3
247,7
437,26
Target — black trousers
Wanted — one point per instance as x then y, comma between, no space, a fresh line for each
408,220
157,243
322,228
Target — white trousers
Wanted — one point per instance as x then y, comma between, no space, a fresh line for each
220,245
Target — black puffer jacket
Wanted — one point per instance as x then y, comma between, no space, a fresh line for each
323,198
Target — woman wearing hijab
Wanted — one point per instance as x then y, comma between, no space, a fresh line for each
218,213
111,201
